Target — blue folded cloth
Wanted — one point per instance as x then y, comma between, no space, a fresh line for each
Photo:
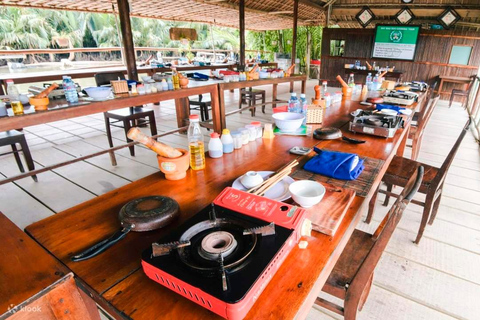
338,165
389,106
200,76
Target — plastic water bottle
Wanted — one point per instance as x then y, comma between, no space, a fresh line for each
12,91
303,107
368,81
70,91
324,88
195,143
294,104
375,82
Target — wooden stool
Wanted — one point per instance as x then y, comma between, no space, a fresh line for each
129,117
203,106
250,97
12,137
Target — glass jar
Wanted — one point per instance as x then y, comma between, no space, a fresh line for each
17,108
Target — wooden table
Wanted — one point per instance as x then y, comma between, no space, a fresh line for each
391,74
29,276
56,75
115,278
464,80
120,101
230,86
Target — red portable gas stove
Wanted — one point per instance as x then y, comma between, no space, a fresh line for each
223,257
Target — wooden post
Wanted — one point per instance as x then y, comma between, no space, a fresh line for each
127,37
294,40
241,8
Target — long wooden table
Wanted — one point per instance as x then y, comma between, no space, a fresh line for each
115,278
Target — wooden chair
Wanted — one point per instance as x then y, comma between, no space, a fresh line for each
12,138
351,278
127,116
202,106
463,93
250,97
416,132
432,185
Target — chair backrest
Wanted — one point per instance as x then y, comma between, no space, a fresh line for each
427,113
104,78
383,234
442,172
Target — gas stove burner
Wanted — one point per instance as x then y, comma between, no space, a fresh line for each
224,256
218,243
213,238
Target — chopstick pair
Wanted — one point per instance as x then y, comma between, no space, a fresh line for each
262,188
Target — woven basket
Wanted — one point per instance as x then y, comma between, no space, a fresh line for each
119,86
315,113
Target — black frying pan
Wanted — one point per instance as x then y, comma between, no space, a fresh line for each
330,133
144,214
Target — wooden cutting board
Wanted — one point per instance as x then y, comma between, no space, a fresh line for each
327,215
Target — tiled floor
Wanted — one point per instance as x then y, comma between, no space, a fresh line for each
437,279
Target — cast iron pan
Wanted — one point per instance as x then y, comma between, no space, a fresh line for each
330,133
143,214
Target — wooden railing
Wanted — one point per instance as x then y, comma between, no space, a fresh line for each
473,108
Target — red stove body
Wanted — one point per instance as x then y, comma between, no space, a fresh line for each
224,256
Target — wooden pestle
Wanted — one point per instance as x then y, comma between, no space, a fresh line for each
318,97
342,82
369,66
160,148
290,70
47,91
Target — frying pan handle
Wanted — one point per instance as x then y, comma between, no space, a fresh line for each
102,245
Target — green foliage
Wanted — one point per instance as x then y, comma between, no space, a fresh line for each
25,28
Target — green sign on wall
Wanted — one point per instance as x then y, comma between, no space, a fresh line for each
395,42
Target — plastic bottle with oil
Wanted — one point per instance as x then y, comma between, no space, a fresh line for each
195,144
175,79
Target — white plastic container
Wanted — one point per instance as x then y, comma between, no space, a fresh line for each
237,139
215,146
252,132
227,141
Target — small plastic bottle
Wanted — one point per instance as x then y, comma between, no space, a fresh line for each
293,103
12,91
351,80
258,126
215,146
175,79
164,85
328,100
195,144
170,84
324,88
303,107
368,81
70,91
227,141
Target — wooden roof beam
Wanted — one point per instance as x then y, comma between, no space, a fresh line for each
419,12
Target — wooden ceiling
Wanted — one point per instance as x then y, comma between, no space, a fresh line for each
343,12
270,14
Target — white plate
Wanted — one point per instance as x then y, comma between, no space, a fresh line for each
278,192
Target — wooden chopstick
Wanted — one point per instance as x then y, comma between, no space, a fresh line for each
270,182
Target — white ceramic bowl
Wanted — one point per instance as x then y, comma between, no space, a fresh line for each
288,121
98,93
251,179
307,193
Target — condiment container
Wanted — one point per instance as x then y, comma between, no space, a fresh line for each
237,139
245,135
215,146
252,132
195,143
251,179
268,131
328,99
258,127
227,141
164,85
141,89
170,84
3,109
17,107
